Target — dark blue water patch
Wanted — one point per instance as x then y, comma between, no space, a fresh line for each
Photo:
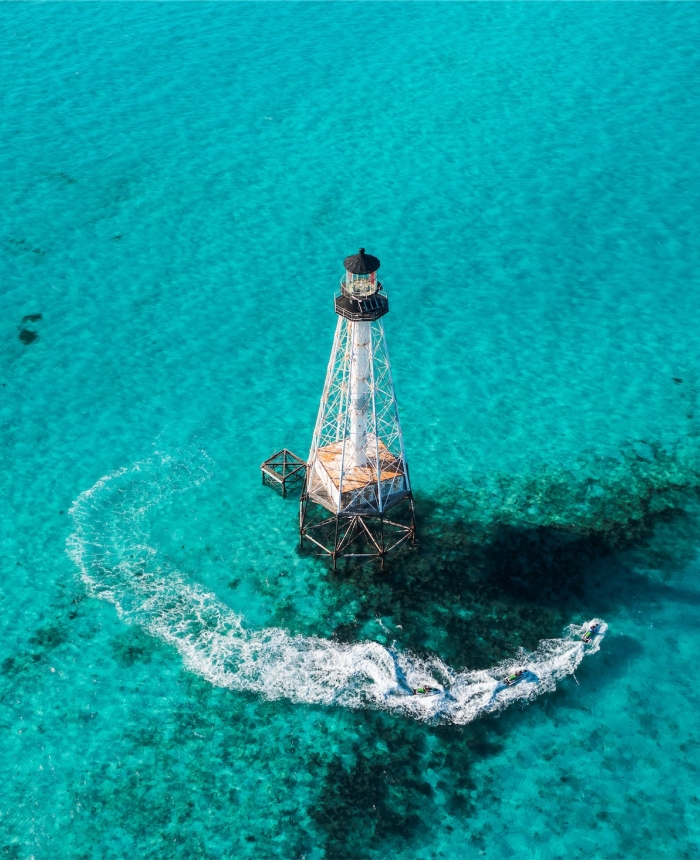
516,582
132,646
26,665
49,636
22,247
474,580
63,179
156,789
488,578
27,336
395,780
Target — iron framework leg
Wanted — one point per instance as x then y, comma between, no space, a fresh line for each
353,538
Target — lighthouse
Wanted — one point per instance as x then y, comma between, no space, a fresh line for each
356,502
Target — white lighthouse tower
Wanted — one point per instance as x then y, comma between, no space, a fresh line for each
356,503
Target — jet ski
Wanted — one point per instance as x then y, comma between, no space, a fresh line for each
590,633
425,690
514,677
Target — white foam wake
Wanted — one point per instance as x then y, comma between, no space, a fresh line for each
110,546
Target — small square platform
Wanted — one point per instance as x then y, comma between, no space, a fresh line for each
282,469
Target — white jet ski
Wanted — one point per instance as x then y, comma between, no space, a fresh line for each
590,632
514,677
424,690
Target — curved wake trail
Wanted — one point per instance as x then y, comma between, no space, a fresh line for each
110,546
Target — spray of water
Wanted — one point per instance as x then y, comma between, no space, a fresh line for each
110,546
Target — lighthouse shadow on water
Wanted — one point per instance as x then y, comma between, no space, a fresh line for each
488,576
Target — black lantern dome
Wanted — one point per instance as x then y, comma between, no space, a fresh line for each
361,263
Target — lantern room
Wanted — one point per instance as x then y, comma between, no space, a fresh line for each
360,279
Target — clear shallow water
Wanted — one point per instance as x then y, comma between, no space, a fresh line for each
180,184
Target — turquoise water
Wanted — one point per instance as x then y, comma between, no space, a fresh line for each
180,184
